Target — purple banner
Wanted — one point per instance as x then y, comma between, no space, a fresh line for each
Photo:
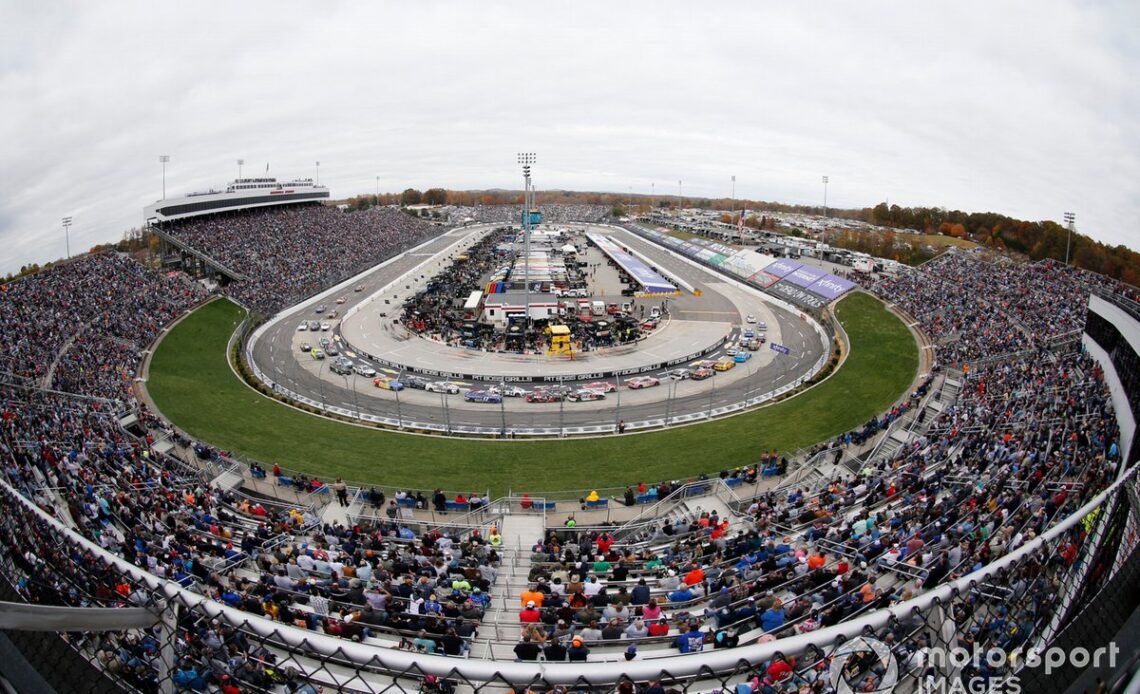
831,287
805,276
782,267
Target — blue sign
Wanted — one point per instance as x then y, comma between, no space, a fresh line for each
777,347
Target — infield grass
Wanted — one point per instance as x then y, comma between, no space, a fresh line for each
193,386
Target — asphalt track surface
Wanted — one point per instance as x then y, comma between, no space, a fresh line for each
277,355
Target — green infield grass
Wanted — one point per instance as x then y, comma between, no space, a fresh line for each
193,385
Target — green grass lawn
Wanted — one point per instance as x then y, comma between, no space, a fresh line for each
193,386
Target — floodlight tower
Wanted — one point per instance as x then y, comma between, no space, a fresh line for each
67,234
163,159
526,159
1070,222
825,196
732,204
240,162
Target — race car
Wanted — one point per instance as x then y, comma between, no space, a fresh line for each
585,395
341,299
601,386
702,373
442,387
387,383
643,382
482,396
364,370
543,396
510,391
320,308
724,364
742,357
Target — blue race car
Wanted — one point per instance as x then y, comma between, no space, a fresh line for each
482,396
742,357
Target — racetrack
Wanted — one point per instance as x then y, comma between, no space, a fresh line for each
192,384
277,354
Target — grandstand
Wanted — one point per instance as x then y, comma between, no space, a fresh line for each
992,509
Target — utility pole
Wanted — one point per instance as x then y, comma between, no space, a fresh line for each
825,196
239,163
526,159
732,204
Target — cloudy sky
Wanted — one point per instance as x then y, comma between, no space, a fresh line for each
1026,108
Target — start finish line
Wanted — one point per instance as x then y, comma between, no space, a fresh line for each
652,282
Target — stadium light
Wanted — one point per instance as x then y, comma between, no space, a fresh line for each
1070,222
163,159
377,190
825,196
680,198
67,234
240,162
732,203
318,173
526,159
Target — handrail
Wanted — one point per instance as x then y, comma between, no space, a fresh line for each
566,673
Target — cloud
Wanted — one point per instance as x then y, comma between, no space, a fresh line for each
1022,108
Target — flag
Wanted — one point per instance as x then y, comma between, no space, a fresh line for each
266,167
740,223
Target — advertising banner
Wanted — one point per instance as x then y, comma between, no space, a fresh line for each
805,276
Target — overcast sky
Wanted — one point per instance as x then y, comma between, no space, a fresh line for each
1024,108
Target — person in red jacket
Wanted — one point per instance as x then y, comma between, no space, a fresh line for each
530,614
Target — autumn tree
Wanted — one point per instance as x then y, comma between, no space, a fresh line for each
411,196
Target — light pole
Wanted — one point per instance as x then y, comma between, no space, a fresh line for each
503,407
617,412
318,173
67,234
377,190
240,162
732,203
163,159
526,159
399,413
1070,221
680,198
652,194
825,196
321,381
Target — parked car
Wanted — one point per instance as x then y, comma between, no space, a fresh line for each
724,364
364,370
742,357
703,373
679,374
601,386
317,353
442,387
482,396
643,382
585,395
387,383
543,396
305,347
